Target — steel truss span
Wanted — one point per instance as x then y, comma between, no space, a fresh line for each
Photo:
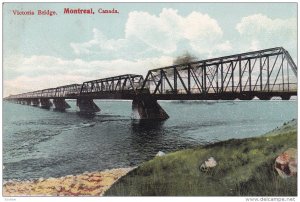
118,87
67,91
263,74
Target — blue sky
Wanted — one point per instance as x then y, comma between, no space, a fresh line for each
63,49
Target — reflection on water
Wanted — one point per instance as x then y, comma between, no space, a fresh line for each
88,116
46,143
146,135
141,126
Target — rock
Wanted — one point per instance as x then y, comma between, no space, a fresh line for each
293,167
160,153
286,163
210,163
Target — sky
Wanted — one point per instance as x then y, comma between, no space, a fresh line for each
48,51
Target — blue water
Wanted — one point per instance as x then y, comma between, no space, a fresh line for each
46,143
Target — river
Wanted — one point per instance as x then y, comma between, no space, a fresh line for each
46,143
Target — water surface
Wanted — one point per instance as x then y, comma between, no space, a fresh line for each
46,143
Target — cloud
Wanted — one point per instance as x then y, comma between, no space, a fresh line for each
255,45
23,74
226,46
22,84
259,31
99,41
158,34
258,24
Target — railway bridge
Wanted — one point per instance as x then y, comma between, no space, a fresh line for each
262,74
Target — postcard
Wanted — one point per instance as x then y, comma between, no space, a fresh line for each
149,99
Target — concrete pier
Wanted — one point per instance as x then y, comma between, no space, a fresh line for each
147,108
87,105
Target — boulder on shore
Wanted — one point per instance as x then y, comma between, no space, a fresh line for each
208,164
160,153
286,163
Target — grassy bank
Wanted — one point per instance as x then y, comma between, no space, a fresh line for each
245,168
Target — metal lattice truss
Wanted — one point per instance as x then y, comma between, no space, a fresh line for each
270,70
61,91
68,90
266,73
127,82
123,83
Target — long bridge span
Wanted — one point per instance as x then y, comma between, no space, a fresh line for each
262,74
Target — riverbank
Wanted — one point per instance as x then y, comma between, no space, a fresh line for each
243,167
86,184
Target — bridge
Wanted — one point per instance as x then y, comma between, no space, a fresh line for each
262,74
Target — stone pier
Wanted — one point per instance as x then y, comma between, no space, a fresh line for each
86,105
60,104
28,101
264,97
286,97
147,107
35,102
45,103
23,102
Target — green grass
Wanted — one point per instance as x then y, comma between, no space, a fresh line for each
245,168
